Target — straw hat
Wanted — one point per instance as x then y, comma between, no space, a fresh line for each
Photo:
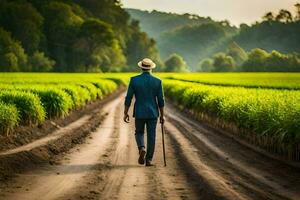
146,63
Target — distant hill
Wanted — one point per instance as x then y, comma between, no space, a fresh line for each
192,36
155,23
270,35
196,38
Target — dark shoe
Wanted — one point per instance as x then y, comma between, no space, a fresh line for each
149,164
141,160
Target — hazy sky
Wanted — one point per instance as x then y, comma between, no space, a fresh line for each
236,11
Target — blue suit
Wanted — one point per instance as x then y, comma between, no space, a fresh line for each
148,92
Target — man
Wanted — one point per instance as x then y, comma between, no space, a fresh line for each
149,102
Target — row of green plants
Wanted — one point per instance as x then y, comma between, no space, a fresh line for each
289,81
31,104
265,117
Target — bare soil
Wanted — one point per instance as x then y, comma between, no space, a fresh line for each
202,163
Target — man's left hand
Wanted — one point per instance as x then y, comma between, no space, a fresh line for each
126,118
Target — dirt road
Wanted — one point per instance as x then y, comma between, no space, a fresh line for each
202,164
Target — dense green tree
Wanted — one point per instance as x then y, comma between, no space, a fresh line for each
12,56
267,35
223,63
61,25
98,47
237,53
206,65
256,60
294,63
23,21
40,63
260,60
277,62
284,16
225,23
109,11
269,17
175,63
78,35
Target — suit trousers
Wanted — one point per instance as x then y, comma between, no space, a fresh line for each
151,134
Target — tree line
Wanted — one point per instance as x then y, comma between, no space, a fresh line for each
70,36
100,36
257,60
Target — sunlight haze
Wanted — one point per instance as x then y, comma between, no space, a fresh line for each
236,11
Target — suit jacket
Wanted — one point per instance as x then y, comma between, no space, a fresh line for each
148,92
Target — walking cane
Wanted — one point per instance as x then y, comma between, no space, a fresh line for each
163,142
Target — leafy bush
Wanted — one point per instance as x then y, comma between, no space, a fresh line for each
8,117
206,65
106,86
40,63
12,56
92,89
175,63
223,63
56,102
80,96
29,106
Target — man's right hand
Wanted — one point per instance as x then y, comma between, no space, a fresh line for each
126,118
162,119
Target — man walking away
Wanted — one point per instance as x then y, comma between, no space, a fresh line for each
149,102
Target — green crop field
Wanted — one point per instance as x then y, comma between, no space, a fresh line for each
250,80
263,107
28,98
